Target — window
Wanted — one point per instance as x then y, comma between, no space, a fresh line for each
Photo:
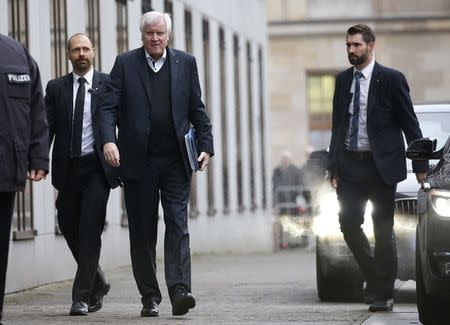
262,131
168,8
124,216
23,223
193,200
320,103
188,30
207,95
223,105
58,38
237,101
18,20
250,127
122,26
146,6
93,29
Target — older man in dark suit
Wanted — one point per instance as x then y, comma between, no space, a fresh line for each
79,171
371,110
154,96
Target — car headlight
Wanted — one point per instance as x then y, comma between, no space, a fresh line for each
326,223
440,201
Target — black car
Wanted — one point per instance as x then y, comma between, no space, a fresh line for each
338,275
433,233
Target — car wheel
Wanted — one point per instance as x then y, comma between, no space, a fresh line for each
338,284
432,309
424,301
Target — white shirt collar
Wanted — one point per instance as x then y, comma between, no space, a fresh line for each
88,76
163,57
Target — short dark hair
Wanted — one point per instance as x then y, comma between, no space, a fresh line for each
366,32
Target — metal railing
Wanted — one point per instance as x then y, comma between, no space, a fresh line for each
23,218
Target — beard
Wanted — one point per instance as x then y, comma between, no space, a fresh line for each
358,60
82,65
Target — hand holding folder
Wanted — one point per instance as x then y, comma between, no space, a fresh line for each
190,140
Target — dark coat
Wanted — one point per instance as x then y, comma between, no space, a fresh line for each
23,123
389,114
128,105
59,103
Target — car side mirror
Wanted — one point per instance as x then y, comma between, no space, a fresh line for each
423,149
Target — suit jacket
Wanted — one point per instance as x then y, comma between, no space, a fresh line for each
59,105
128,104
389,113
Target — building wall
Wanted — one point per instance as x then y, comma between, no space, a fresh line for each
46,258
306,36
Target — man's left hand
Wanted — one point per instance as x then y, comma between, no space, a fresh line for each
203,159
421,177
36,174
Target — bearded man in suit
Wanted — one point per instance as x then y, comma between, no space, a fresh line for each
372,109
79,171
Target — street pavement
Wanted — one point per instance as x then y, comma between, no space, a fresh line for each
276,288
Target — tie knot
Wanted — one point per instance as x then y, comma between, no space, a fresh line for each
81,81
358,75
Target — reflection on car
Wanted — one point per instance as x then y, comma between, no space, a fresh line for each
338,275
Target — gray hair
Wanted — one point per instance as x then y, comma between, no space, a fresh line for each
153,17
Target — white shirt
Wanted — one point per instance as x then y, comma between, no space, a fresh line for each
364,85
87,135
156,65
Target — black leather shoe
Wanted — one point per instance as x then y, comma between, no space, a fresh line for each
79,308
150,310
96,299
182,301
382,305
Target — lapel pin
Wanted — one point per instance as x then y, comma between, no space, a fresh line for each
93,90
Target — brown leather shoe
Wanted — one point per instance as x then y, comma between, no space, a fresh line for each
150,310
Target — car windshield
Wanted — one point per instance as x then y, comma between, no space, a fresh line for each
433,125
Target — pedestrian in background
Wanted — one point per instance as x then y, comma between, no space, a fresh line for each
23,136
153,98
286,180
371,109
79,172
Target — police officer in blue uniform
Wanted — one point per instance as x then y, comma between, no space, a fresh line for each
23,135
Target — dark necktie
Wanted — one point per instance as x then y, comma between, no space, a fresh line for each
77,127
355,115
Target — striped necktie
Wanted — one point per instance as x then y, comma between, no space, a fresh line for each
355,115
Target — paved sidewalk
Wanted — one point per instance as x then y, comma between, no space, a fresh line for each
248,289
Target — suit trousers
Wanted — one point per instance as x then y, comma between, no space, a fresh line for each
360,181
6,211
164,177
81,209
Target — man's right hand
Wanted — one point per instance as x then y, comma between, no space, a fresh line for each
111,153
334,181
